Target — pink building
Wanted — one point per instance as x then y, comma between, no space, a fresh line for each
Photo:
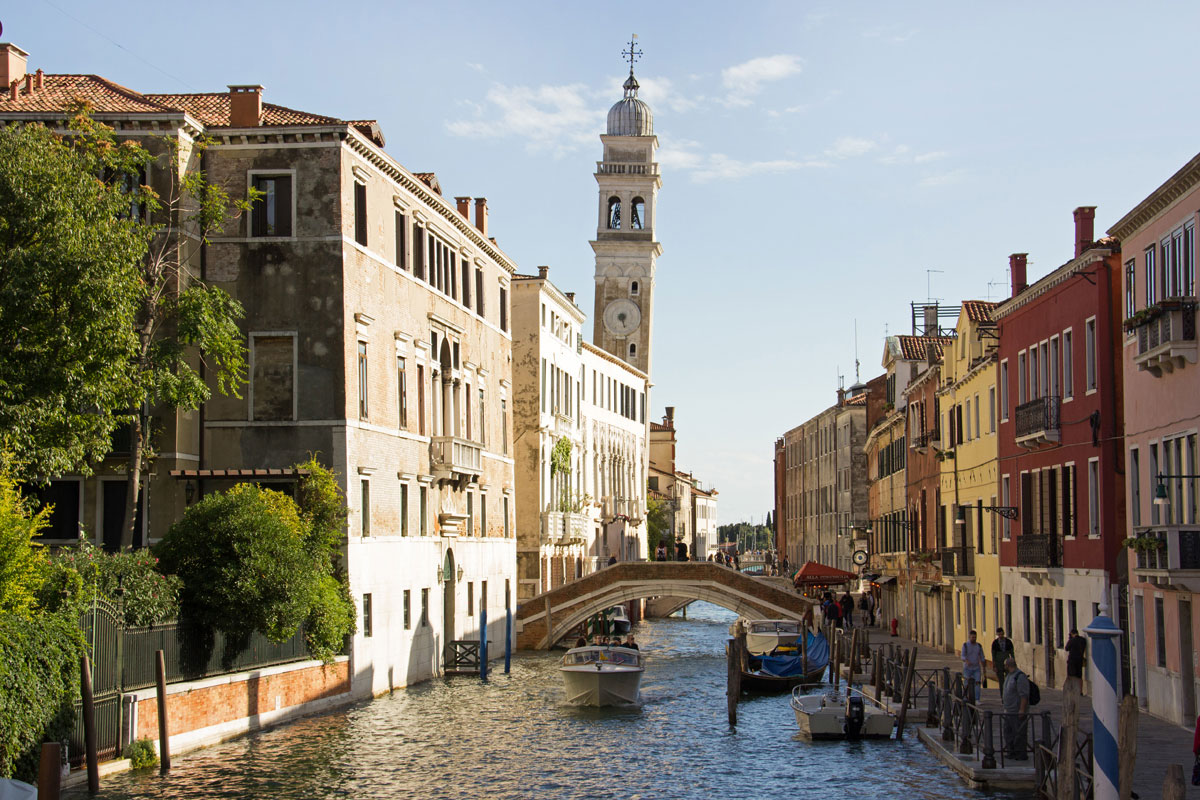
1162,417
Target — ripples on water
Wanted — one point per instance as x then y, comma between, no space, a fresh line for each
515,738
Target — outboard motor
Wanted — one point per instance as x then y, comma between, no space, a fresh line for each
855,715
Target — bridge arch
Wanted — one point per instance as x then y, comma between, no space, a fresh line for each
544,620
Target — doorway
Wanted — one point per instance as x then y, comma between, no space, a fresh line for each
113,494
1187,672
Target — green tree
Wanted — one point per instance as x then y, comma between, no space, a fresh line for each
20,562
69,289
657,523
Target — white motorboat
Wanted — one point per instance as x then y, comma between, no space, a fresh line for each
602,676
851,715
618,620
764,635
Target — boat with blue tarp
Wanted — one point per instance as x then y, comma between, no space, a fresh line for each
788,665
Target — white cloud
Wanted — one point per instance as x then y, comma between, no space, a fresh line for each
745,80
720,166
893,35
476,67
556,118
656,92
902,154
944,179
851,147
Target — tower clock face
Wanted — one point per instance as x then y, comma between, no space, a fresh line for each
622,317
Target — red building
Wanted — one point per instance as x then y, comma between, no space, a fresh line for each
1060,456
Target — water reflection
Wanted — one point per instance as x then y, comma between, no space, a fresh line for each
514,737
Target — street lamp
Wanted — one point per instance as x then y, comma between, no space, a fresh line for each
1161,496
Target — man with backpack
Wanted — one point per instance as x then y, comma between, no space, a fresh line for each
1016,696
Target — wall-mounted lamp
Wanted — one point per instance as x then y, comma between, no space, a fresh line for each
189,492
960,516
1161,496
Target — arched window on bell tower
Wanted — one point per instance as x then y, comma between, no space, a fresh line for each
614,212
637,214
633,289
632,351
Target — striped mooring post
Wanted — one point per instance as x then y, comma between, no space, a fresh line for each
1103,634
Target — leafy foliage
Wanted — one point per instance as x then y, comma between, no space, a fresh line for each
141,753
39,680
20,562
243,563
129,579
657,523
560,456
331,618
69,288
322,506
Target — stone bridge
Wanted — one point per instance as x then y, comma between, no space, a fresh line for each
543,620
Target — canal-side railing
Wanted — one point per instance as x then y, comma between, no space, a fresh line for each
1047,755
995,737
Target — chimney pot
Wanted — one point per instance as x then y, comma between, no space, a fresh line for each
1085,222
28,84
481,215
13,61
245,106
571,296
464,207
1016,269
37,83
543,272
931,320
671,416
12,90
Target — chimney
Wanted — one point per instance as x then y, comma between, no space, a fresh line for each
571,296
37,83
1085,221
669,419
931,320
12,63
245,106
543,272
841,395
1016,270
464,207
481,214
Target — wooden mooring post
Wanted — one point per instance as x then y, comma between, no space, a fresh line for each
853,661
89,724
1173,786
908,681
1127,724
1066,740
164,740
736,658
50,771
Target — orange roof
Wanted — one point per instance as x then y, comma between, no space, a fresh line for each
912,348
979,310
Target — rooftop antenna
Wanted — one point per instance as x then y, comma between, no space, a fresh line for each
633,54
990,284
929,284
856,378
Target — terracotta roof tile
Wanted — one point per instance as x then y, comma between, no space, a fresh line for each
912,348
60,91
979,310
430,180
857,400
212,108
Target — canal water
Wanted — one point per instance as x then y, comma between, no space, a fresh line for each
513,737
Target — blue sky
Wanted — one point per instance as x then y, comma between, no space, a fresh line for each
818,157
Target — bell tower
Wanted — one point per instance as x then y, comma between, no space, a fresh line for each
625,245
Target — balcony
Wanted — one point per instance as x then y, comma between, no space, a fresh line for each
922,442
560,527
626,168
453,458
958,562
1039,551
1037,421
1166,336
1175,563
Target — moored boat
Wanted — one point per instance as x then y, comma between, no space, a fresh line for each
788,666
834,715
602,676
764,636
618,620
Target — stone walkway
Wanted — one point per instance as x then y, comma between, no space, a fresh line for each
1160,743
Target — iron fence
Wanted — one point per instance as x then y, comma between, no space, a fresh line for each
191,652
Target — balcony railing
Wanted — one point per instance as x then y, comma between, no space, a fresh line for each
1037,420
924,441
1038,550
453,457
626,168
559,527
1166,339
1176,559
958,562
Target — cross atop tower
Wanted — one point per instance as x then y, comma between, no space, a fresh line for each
633,54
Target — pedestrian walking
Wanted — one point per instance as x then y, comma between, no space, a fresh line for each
1076,648
1015,697
1002,648
973,663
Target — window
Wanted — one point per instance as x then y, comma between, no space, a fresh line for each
506,530
1004,390
1053,371
272,212
1068,501
1068,366
1021,378
483,514
1037,620
470,514
471,598
418,237
968,420
402,390
273,389
1151,277
466,283
421,399
65,496
637,214
1090,352
424,608
504,309
1035,389
1135,488
504,425
423,520
1006,499
404,509
614,213
401,228
1130,288
366,616
1160,632
978,428
479,307
407,609
1187,263
633,289
991,409
632,351
365,508
362,380
1058,623
1072,615
1025,617
1008,614
482,419
360,213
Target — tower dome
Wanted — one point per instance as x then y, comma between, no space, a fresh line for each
630,116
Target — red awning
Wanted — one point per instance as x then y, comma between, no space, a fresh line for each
814,573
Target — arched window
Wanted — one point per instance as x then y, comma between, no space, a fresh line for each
633,289
637,216
614,212
632,350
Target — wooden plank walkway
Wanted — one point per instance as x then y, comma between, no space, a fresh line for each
1160,743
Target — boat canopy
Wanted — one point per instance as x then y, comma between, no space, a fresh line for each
602,655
